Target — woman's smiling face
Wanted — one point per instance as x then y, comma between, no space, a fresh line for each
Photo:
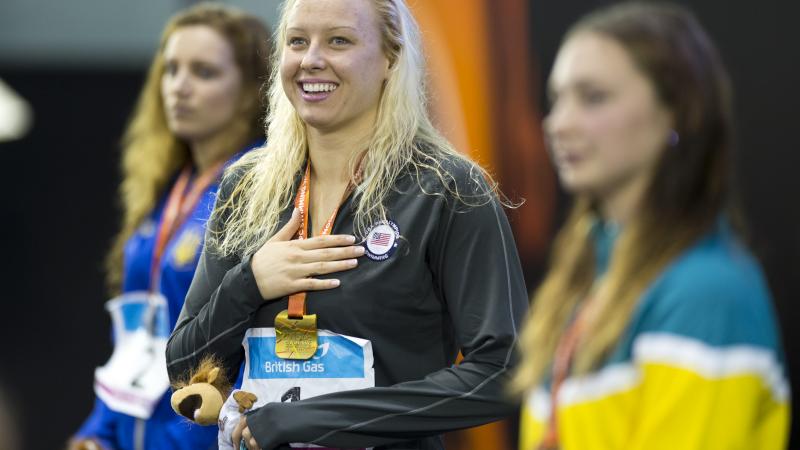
333,66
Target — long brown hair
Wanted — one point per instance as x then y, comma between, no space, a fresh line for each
686,194
151,153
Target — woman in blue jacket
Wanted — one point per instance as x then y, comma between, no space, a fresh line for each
198,111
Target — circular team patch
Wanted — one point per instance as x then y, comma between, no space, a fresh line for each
381,240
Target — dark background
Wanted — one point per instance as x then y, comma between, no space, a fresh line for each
59,206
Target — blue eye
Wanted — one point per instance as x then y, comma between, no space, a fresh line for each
339,41
296,41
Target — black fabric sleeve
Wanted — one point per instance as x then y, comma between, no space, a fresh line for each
478,274
219,308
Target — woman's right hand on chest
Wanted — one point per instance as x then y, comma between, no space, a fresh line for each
283,266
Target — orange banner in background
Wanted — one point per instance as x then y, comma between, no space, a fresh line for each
484,97
454,32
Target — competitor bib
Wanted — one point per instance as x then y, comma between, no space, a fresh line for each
135,377
340,363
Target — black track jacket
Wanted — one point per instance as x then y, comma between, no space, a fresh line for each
454,283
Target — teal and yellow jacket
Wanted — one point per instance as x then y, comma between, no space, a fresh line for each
700,365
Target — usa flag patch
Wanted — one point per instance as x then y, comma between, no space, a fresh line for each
381,240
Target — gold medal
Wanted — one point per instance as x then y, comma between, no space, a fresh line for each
296,331
295,338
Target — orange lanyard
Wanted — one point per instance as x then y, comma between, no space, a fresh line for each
180,204
562,362
297,301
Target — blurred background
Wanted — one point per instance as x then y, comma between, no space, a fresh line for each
69,76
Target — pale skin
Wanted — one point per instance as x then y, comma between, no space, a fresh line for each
607,128
201,90
242,433
335,44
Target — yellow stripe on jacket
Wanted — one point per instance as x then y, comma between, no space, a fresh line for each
679,394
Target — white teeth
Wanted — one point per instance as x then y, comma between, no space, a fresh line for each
319,87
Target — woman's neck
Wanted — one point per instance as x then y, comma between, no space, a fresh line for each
207,152
330,155
619,206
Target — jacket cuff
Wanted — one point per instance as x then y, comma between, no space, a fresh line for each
242,279
265,425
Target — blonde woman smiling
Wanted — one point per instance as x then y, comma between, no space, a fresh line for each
403,254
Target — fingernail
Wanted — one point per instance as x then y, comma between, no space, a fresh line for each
360,250
351,239
334,283
352,262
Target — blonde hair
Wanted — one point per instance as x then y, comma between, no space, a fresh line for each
152,154
403,138
686,194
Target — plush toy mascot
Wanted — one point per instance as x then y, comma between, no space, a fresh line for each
200,399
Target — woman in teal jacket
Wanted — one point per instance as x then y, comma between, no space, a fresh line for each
653,328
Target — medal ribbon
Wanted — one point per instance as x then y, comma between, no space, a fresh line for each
562,362
297,301
180,204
